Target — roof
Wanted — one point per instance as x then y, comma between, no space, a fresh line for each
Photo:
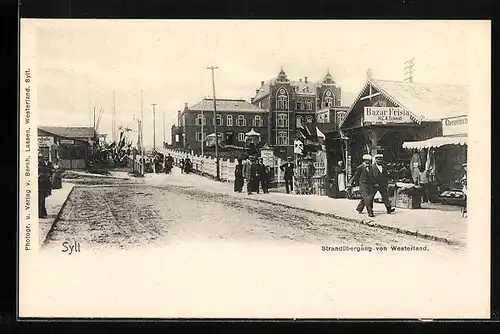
227,105
69,131
431,102
300,84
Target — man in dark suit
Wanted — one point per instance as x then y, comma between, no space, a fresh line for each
288,169
363,176
381,181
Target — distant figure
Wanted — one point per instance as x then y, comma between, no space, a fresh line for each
288,168
169,162
263,177
423,181
415,165
238,177
44,185
187,165
251,175
181,165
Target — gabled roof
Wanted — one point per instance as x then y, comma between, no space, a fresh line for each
226,105
431,102
69,131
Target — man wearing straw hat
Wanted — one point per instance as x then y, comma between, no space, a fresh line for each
363,176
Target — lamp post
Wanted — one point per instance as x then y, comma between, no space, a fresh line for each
212,68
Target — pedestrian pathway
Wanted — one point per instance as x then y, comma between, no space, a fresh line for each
53,204
448,226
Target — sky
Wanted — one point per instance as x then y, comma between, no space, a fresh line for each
79,63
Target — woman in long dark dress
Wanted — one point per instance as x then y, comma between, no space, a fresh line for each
238,177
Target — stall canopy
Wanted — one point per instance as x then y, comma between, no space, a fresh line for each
435,142
252,132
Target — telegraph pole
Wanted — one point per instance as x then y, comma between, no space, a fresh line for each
164,137
154,126
409,70
212,68
142,137
202,121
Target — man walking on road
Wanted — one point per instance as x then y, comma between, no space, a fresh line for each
288,168
381,181
363,176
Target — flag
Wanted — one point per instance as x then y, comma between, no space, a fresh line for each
320,134
342,135
298,147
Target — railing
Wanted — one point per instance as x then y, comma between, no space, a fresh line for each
135,164
207,166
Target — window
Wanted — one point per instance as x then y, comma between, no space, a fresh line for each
300,104
219,120
199,136
282,120
298,124
282,99
199,118
282,138
257,121
241,121
241,137
229,120
309,104
340,116
328,99
309,119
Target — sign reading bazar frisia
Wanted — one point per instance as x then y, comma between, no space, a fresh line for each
388,115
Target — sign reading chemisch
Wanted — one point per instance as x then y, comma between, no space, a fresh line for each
388,115
455,126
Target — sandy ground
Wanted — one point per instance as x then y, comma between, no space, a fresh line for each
130,213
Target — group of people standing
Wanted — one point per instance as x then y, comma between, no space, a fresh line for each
256,173
185,165
372,176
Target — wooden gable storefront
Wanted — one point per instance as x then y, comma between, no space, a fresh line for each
68,147
376,123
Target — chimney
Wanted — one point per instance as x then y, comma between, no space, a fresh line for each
257,91
305,79
300,79
261,83
186,106
178,118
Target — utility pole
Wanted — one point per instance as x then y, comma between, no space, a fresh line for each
154,126
202,121
164,137
409,70
113,122
212,68
142,137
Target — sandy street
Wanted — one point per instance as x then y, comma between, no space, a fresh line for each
106,212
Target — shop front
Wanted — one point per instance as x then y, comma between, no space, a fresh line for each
444,160
69,147
387,114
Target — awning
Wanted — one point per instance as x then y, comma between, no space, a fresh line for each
435,142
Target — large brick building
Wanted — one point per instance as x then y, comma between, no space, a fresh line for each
291,104
234,119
